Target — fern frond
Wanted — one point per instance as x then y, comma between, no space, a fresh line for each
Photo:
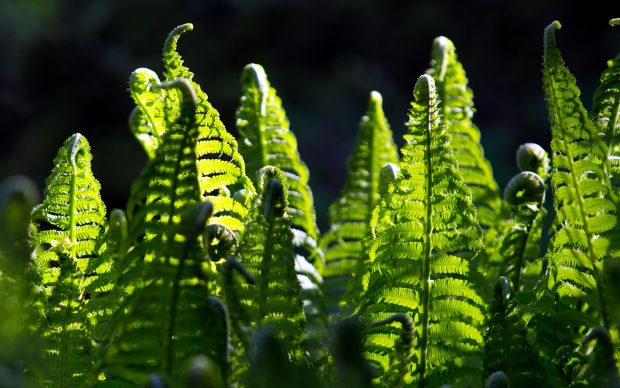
349,216
586,232
457,107
267,251
606,112
169,317
148,119
67,237
419,256
221,168
266,140
519,245
506,345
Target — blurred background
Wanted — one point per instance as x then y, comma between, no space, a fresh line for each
64,67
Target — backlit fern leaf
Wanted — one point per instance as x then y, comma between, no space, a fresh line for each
586,224
170,317
267,251
267,140
606,112
457,107
519,245
221,169
424,236
349,216
67,236
165,316
571,296
147,121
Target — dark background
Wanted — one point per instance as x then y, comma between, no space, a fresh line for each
64,67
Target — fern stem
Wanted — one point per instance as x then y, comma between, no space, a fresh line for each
428,226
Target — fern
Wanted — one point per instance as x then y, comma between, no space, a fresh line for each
606,111
170,317
506,345
266,140
148,120
349,216
571,296
267,252
585,230
221,169
165,263
457,107
524,194
419,255
67,239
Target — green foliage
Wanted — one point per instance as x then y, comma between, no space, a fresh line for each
265,140
267,251
67,236
524,194
585,228
420,254
457,108
349,216
606,112
204,282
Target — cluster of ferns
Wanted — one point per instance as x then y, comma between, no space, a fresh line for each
215,275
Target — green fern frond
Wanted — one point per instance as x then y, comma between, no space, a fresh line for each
267,251
349,216
67,237
520,242
169,316
606,112
221,169
419,256
506,345
166,260
266,140
586,225
148,119
457,107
